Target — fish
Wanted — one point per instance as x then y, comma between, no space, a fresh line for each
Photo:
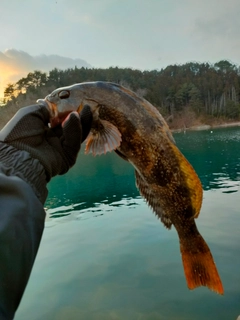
132,127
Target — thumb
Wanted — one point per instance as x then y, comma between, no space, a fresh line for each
86,121
72,136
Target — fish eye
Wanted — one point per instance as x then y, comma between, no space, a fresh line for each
64,94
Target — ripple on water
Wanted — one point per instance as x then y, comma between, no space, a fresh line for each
81,211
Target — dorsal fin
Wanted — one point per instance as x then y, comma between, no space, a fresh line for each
104,137
152,200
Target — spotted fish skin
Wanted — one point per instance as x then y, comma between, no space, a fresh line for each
164,177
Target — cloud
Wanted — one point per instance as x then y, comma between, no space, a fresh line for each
214,32
220,21
129,33
15,64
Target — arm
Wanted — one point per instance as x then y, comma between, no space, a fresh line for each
21,225
30,155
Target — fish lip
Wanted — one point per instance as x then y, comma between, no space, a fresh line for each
42,102
54,114
50,106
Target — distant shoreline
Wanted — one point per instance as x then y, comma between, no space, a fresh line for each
207,127
187,122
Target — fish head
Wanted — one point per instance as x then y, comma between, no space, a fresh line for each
64,100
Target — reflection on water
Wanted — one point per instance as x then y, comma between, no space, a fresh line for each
104,255
94,180
215,156
97,209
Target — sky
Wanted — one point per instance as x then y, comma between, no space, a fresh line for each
138,34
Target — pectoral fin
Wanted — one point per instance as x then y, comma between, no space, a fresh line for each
152,200
104,137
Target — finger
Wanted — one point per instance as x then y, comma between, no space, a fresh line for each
67,118
86,121
72,133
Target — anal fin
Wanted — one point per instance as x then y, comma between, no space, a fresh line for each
152,200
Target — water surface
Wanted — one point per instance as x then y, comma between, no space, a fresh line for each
104,255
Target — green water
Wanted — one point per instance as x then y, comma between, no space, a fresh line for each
104,255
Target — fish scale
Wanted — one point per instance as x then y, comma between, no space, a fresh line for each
137,132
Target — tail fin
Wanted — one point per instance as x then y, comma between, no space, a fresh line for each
199,267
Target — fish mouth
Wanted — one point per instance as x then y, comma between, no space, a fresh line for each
50,105
56,117
59,119
43,102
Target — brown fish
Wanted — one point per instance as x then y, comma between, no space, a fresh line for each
132,127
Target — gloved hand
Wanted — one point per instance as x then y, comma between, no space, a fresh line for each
27,138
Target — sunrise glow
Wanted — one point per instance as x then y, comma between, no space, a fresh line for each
9,74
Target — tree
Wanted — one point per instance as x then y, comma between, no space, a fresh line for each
32,81
201,87
224,66
9,92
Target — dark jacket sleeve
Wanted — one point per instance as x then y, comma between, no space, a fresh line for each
21,225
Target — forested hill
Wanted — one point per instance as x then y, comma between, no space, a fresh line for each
203,89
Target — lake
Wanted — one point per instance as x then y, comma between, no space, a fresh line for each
104,255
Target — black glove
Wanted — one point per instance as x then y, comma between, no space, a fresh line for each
56,149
